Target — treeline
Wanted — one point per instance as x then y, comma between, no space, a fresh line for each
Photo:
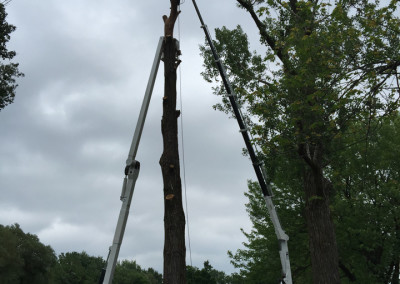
25,260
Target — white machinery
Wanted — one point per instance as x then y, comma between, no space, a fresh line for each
131,174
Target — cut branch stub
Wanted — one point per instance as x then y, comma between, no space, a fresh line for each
169,22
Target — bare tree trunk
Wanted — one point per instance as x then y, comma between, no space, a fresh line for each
174,217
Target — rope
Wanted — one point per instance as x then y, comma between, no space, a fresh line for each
183,145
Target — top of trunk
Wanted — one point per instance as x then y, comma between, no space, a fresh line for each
169,22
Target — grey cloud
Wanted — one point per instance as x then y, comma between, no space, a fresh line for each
65,139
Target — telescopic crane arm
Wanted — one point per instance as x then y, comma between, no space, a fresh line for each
257,165
131,174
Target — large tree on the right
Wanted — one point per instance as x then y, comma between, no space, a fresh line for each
327,66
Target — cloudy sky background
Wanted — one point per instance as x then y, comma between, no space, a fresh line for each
65,139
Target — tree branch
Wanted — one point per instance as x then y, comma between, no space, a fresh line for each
347,272
262,28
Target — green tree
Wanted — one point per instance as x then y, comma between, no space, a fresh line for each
8,70
327,66
365,211
74,267
259,261
23,258
154,276
209,275
200,276
11,262
129,272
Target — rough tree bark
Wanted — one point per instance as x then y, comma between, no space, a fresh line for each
174,217
323,246
317,189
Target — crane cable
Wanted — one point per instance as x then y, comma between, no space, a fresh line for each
182,142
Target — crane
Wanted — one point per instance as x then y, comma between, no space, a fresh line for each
257,165
131,172
132,167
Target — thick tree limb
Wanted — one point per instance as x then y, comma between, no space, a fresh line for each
262,28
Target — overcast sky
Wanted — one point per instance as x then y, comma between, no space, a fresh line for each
65,139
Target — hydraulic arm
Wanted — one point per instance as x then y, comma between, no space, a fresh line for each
258,166
131,174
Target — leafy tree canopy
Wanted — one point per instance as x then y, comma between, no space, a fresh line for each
8,70
23,258
209,275
324,82
74,267
128,272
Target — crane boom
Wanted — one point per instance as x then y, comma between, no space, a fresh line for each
131,174
257,165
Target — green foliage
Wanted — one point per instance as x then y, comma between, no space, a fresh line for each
74,267
127,272
365,211
259,261
11,262
315,99
209,275
366,207
325,69
23,258
8,71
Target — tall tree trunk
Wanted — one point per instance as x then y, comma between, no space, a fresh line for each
174,217
323,246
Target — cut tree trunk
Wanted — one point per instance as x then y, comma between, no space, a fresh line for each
174,217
